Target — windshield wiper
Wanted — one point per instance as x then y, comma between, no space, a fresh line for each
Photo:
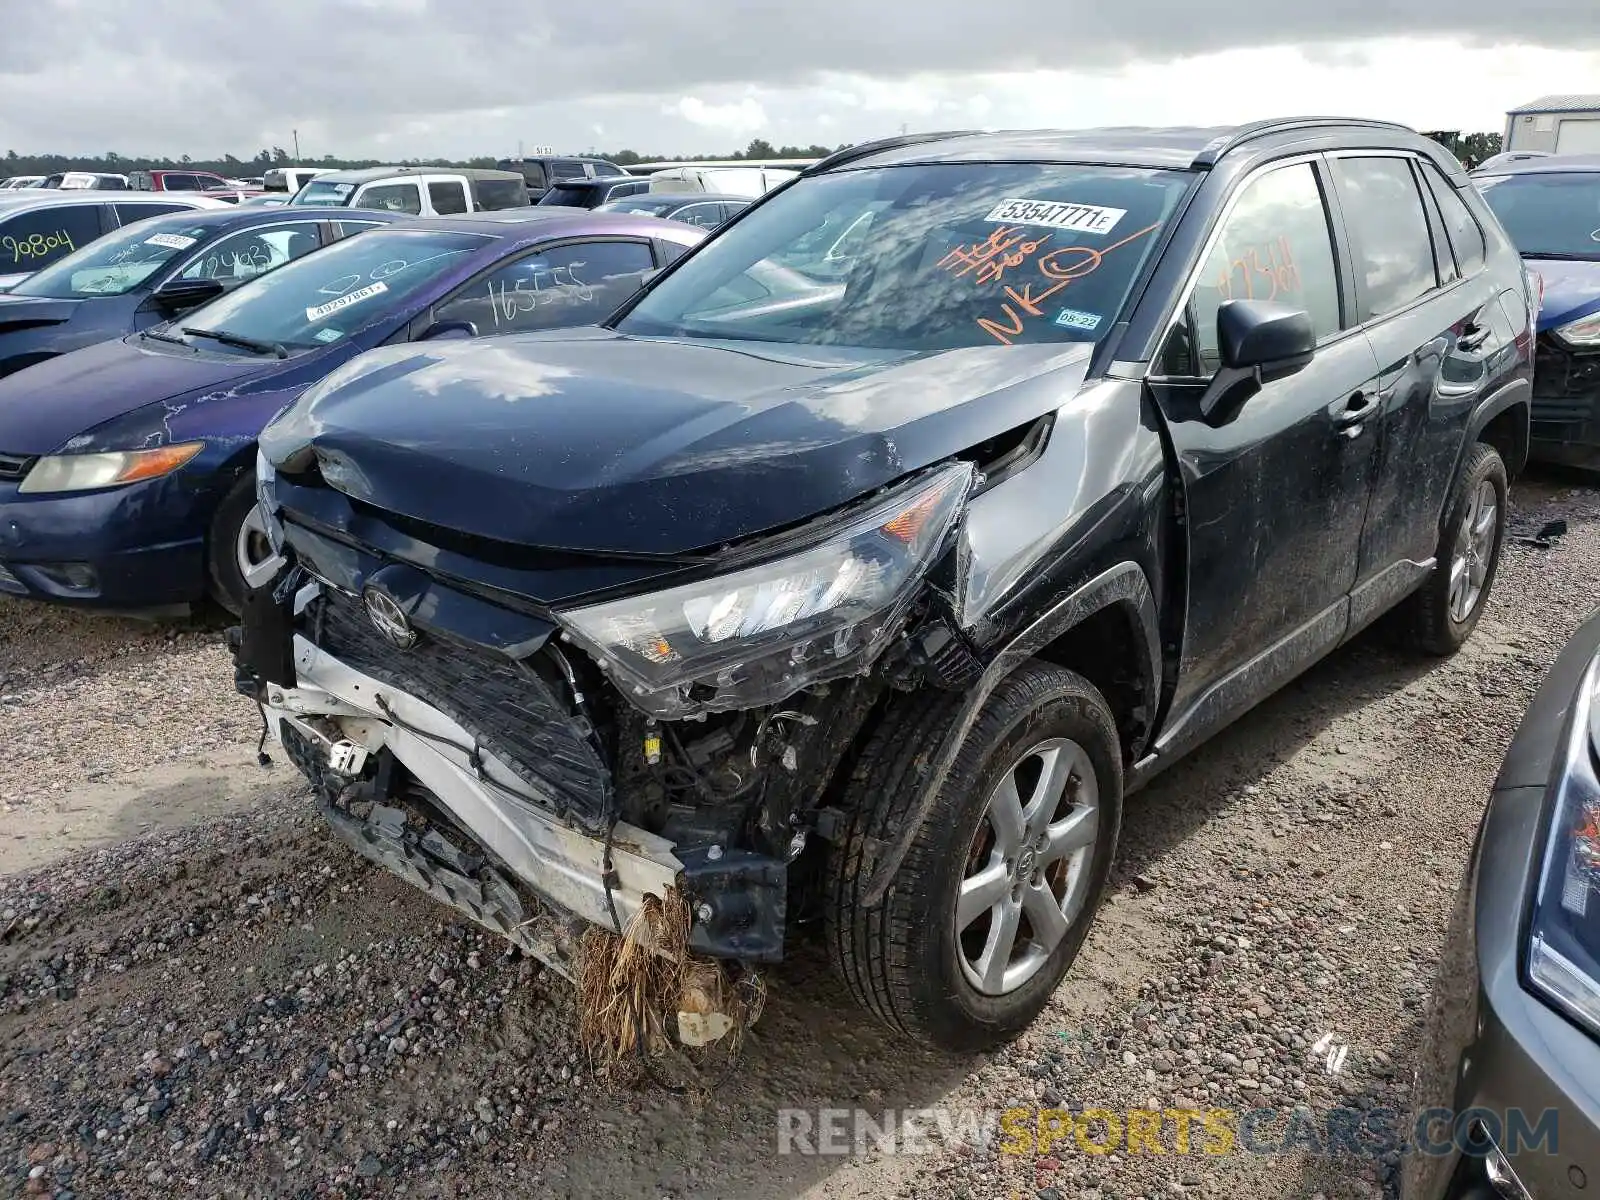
238,339
163,337
1561,255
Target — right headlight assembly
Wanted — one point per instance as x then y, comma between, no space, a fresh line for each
1564,949
824,605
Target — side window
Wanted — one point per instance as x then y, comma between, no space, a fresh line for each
252,252
1388,232
707,216
669,252
37,238
567,285
127,214
534,174
731,209
396,197
179,183
343,229
566,169
1466,235
447,196
1274,245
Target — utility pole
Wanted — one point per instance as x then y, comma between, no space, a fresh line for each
296,133
903,128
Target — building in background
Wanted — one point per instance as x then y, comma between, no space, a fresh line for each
1555,124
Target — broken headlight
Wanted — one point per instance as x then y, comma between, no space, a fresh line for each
1582,334
817,605
266,475
1564,952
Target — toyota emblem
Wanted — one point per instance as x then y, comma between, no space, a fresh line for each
389,619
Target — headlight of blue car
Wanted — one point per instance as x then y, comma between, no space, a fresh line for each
267,503
1583,334
1564,951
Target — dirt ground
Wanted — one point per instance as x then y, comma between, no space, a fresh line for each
201,993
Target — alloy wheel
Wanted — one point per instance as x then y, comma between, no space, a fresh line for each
1028,869
1469,566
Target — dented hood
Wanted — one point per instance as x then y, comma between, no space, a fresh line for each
591,440
44,405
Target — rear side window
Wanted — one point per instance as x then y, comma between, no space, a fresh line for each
128,213
343,229
396,197
567,169
534,174
179,183
35,239
1274,245
1389,232
496,194
1466,235
447,196
578,284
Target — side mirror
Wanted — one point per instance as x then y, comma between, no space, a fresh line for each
1259,342
176,295
1272,338
448,329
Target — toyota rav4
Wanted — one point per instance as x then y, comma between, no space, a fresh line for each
867,589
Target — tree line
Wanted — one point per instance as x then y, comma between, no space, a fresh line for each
235,167
1471,149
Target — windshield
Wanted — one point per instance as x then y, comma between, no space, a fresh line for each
117,263
1548,214
930,257
573,195
320,191
324,297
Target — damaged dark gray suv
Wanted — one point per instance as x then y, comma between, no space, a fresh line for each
861,565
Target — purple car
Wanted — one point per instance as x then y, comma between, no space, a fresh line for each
126,469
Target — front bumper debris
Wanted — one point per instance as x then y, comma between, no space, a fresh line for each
452,793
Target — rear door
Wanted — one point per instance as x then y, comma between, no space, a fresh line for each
1431,313
1274,487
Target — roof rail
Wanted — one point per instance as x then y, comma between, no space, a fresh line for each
865,149
1210,154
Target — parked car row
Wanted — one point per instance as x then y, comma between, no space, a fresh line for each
38,228
141,367
859,558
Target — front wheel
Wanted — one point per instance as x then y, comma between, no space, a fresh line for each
237,543
1443,613
1002,881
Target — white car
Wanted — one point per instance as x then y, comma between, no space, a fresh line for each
20,181
729,181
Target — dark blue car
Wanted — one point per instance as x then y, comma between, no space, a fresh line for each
152,271
126,469
1551,208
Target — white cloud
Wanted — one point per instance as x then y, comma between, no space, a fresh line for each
742,116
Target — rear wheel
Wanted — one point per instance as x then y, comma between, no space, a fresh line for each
1442,614
237,542
1001,882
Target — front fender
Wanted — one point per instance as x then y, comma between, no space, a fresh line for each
1125,584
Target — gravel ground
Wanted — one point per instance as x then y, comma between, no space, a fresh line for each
201,993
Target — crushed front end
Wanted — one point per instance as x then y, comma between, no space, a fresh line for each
543,765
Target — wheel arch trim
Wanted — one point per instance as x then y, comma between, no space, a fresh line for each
1124,584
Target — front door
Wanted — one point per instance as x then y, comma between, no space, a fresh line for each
1275,488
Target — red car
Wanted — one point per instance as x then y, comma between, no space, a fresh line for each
178,181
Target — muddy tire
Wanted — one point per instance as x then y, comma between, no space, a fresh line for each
1001,883
235,538
1441,615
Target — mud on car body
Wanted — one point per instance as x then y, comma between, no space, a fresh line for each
865,590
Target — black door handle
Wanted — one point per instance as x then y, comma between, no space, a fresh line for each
1472,337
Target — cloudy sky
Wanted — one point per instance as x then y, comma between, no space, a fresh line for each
424,78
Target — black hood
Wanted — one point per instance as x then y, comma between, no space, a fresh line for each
593,441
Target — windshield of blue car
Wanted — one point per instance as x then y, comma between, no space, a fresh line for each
1548,214
917,258
117,263
325,297
320,191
